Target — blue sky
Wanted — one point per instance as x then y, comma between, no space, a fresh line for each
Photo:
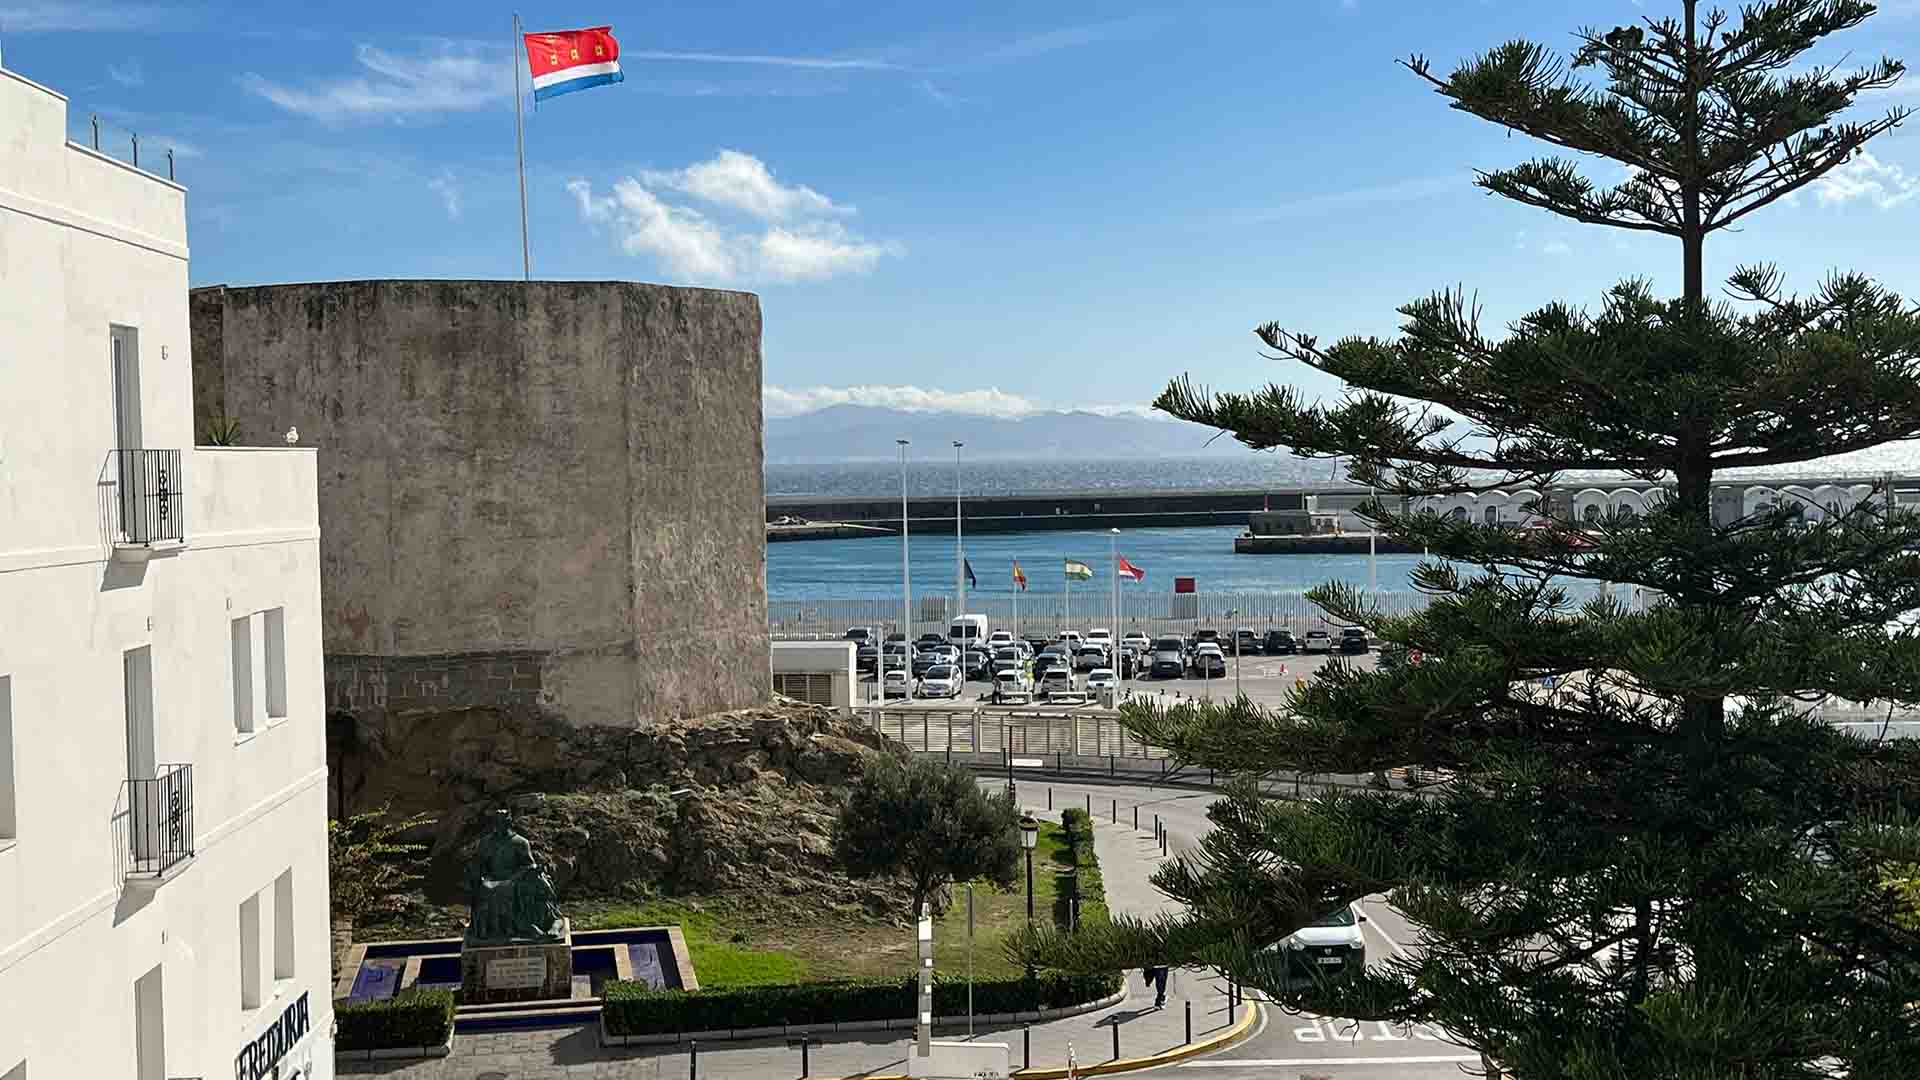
985,206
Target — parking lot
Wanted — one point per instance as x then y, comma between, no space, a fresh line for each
1263,679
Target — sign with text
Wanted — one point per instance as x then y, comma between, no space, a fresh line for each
516,973
258,1058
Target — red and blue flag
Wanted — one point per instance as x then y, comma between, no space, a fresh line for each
563,61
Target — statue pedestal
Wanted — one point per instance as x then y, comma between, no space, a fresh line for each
529,971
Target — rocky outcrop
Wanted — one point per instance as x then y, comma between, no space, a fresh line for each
738,803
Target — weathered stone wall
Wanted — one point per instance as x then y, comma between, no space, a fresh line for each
543,495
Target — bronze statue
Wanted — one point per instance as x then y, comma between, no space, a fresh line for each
509,897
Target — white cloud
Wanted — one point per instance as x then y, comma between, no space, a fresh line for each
1884,184
779,402
817,63
396,86
1072,37
794,234
127,74
744,182
1556,247
53,16
448,189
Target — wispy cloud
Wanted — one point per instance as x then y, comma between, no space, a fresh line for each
448,189
127,73
794,233
54,16
938,96
1073,37
396,86
778,402
1423,187
816,63
1882,183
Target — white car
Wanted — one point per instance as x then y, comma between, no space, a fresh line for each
1102,679
1333,944
1055,680
896,683
1138,641
1317,641
998,638
1071,636
1100,635
941,680
1010,684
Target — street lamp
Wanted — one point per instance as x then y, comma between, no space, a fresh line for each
906,573
1029,839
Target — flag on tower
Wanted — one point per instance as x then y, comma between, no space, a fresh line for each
563,61
965,564
1079,571
1126,569
1019,576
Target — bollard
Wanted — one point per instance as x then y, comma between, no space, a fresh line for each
1116,1041
1089,807
1136,819
1163,841
1113,813
1049,798
693,1059
1189,1020
1026,1046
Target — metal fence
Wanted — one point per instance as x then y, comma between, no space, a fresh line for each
160,821
150,502
1078,732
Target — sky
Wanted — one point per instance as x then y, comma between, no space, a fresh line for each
990,207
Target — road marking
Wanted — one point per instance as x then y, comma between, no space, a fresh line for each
1281,1063
1384,936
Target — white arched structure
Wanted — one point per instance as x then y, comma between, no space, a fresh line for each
1493,509
1590,504
1833,499
1628,502
1757,498
1519,501
1802,497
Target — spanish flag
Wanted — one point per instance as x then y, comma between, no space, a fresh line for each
1019,576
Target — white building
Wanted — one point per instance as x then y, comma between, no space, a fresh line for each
816,672
163,873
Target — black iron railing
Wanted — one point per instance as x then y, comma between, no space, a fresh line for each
151,501
160,821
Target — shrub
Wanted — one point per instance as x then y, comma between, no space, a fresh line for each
633,1008
1087,883
412,1017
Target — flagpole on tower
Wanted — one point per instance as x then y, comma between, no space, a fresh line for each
520,146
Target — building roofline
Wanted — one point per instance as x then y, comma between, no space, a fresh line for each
47,90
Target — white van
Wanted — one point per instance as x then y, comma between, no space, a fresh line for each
968,631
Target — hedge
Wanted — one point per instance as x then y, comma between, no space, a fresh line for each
413,1017
1087,883
634,1008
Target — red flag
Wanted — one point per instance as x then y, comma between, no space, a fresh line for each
1128,570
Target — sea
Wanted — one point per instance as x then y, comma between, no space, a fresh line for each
869,568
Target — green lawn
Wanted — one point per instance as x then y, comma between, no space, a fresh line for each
730,950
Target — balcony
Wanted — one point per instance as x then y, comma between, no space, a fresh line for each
149,505
159,819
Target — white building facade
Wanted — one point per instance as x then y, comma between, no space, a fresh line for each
163,849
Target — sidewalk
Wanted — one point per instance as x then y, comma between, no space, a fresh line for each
1126,861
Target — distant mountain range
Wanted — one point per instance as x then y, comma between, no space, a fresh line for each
867,433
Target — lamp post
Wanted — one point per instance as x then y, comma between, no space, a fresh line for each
1029,839
1232,615
1113,636
959,553
906,574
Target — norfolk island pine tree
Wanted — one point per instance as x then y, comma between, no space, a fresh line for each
1627,876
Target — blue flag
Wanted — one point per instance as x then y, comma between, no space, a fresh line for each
972,582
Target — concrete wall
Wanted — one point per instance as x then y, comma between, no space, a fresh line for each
87,243
535,495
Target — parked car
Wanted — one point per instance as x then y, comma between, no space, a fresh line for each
866,659
1036,645
1203,637
861,634
1072,636
941,680
896,683
1353,640
1208,661
999,638
1246,642
1332,944
1054,681
1317,641
1090,656
1279,643
925,660
928,641
895,636
1100,635
1169,660
977,664
1102,679
1129,665
1010,684
897,655
1137,640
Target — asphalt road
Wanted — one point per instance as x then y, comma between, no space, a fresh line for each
1287,1046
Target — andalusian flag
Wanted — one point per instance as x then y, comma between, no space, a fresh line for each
1079,571
1019,576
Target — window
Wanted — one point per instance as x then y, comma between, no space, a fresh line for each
1592,513
276,658
1493,515
8,824
243,718
250,952
149,1027
283,925
814,689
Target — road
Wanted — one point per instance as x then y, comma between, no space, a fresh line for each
1287,1046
